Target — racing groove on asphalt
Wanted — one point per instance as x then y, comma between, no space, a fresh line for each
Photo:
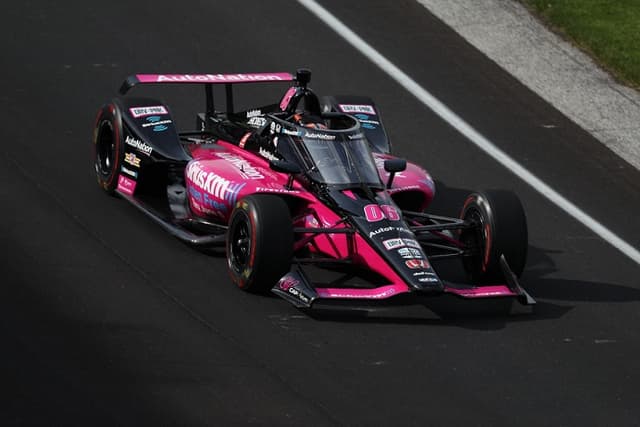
108,320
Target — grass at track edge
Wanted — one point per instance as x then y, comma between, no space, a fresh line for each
608,31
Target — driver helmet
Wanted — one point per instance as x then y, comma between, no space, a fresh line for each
309,121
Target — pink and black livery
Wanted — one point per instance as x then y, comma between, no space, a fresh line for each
304,180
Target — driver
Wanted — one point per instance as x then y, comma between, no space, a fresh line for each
309,121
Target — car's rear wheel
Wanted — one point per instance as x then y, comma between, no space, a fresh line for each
108,147
499,227
259,242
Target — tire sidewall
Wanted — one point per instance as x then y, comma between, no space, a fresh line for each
269,223
108,117
478,204
243,212
503,232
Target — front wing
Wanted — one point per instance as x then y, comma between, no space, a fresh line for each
296,288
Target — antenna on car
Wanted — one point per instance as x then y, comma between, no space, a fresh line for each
303,76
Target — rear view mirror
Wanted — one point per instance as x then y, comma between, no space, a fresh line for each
392,166
395,165
284,166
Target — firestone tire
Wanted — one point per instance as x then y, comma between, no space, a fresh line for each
108,147
500,229
259,242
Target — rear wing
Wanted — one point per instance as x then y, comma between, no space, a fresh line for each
208,80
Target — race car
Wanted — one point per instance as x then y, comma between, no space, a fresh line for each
306,181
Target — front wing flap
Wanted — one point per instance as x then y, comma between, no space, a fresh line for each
296,288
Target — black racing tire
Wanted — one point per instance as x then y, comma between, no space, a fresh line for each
108,147
500,228
259,242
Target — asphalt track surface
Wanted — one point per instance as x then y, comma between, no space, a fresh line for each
107,320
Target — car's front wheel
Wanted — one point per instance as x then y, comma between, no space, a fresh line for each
498,226
259,242
108,147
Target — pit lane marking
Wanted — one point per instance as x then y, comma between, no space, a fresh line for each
468,131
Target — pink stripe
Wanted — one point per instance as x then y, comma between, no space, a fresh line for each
214,78
349,194
483,292
126,185
351,293
284,103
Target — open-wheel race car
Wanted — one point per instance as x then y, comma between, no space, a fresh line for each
306,180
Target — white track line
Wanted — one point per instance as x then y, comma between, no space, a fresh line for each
465,129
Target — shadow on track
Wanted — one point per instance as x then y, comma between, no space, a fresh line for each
489,314
471,319
540,264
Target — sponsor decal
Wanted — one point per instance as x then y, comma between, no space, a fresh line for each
375,213
393,243
253,113
275,127
132,159
275,190
400,243
147,111
203,140
404,253
243,140
278,128
158,124
129,172
206,203
290,132
357,108
296,292
423,273
427,279
370,122
257,122
267,154
412,243
139,145
316,135
126,185
287,282
410,253
416,264
246,170
213,184
367,123
214,78
356,136
388,229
